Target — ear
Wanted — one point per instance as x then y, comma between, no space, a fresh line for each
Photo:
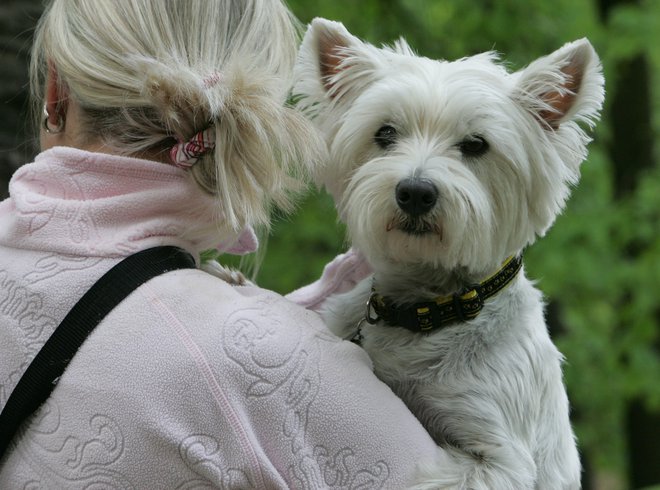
332,41
566,85
56,96
332,61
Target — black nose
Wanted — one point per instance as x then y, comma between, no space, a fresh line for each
416,196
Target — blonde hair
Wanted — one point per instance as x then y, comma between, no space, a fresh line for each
149,73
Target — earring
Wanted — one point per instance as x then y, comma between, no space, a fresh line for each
57,129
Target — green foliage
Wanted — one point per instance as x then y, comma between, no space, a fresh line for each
297,248
302,245
599,266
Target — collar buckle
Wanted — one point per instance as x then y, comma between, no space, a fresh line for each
371,316
469,302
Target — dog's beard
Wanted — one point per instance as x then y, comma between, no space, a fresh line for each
415,226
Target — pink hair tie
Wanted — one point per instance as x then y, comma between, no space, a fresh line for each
185,154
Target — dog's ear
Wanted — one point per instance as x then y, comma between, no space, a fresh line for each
332,42
332,62
560,91
564,86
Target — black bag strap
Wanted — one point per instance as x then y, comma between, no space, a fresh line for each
39,379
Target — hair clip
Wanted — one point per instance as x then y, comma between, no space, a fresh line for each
185,154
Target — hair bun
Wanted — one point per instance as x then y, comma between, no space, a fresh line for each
178,94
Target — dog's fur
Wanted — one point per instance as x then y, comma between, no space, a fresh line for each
501,151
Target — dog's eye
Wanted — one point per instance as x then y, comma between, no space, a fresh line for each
385,136
473,146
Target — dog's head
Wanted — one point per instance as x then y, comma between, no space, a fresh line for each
451,164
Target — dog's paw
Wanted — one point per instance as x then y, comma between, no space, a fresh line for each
440,473
453,469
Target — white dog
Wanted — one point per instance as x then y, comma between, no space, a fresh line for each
444,172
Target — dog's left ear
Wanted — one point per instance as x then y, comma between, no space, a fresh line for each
563,86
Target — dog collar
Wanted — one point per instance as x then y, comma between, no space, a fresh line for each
432,315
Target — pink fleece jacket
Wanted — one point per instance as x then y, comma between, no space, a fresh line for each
190,382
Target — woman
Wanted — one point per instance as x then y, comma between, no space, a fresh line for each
164,124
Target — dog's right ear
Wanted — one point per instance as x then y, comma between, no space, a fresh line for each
332,43
332,63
